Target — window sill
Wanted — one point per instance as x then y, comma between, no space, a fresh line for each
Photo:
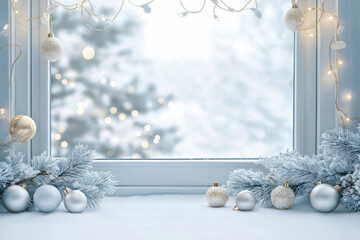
179,217
170,176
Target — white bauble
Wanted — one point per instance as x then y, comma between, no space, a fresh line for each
245,200
283,197
294,18
75,201
52,48
15,199
324,198
217,196
47,198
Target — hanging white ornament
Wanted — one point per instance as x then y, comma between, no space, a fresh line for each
340,29
146,8
52,48
338,45
324,197
256,12
283,197
182,14
47,198
75,201
16,198
294,18
245,201
217,196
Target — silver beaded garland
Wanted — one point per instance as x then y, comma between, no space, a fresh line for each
245,201
15,198
324,197
75,201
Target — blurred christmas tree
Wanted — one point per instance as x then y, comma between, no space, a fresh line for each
96,99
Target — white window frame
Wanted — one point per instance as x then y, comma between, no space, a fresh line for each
30,93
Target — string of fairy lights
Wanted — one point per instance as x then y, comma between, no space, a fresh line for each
295,18
52,47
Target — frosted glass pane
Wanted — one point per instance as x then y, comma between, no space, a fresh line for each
159,86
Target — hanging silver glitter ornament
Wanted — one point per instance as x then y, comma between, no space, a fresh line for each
294,18
16,198
245,201
324,197
52,48
75,201
47,198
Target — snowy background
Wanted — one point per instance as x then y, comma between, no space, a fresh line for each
160,86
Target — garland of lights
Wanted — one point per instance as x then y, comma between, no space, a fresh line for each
294,18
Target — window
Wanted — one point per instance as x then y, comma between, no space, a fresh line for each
159,86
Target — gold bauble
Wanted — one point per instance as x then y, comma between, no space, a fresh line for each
23,127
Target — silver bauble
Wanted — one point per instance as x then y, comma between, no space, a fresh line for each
15,199
75,201
245,200
217,196
294,18
324,198
52,48
47,198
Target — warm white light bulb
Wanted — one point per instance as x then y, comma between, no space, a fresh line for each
88,53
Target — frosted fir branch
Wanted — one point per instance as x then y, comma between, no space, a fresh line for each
20,170
351,193
300,169
342,148
257,182
8,144
44,162
6,175
77,164
96,185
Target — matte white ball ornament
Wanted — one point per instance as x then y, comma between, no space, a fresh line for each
283,197
245,201
324,197
52,48
294,18
75,201
217,196
47,198
16,198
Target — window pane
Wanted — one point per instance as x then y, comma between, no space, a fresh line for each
159,86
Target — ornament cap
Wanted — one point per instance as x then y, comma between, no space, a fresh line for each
67,190
318,183
216,184
50,35
295,5
338,188
23,186
286,184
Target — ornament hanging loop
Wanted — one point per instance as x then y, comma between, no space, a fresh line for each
286,184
